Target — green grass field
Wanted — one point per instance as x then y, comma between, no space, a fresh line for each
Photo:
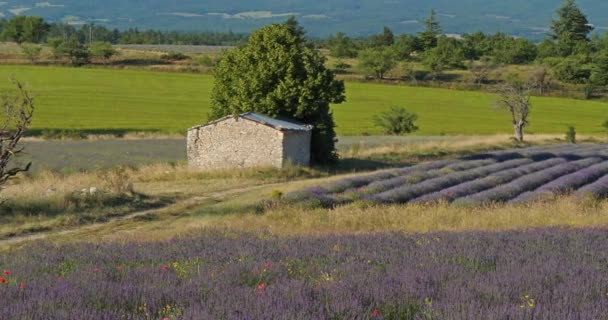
134,100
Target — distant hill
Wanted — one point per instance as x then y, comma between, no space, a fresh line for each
528,18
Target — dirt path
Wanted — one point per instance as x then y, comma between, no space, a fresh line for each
187,202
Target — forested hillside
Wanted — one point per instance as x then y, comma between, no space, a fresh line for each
529,18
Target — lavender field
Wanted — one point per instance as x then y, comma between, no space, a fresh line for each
540,274
515,176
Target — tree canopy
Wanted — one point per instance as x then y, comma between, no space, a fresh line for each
432,30
25,29
279,75
570,29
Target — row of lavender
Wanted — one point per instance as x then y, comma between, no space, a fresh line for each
563,275
507,176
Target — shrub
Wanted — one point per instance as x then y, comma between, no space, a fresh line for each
174,56
341,67
396,121
605,125
571,135
206,61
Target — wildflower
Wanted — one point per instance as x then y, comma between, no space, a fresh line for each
165,267
22,286
375,313
166,318
261,288
2,280
7,273
119,268
267,265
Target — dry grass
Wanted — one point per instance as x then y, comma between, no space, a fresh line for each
465,143
239,216
240,211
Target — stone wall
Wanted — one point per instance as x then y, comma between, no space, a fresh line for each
296,147
235,143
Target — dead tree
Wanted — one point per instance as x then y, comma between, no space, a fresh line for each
17,111
515,97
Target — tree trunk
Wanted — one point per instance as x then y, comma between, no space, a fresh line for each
519,131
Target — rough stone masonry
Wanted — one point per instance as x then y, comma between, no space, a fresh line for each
248,140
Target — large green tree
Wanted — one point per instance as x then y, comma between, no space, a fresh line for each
377,61
570,28
279,75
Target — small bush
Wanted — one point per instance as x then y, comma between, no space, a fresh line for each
397,121
206,61
571,135
174,56
342,67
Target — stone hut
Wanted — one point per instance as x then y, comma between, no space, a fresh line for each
248,140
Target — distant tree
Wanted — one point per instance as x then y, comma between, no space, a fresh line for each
31,51
77,53
447,54
514,96
295,28
405,45
476,45
432,30
25,29
385,39
102,49
572,69
515,51
277,74
56,45
377,61
341,46
396,121
599,69
18,110
570,27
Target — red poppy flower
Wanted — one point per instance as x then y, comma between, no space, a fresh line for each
2,280
119,268
165,267
261,286
22,286
375,313
267,265
7,273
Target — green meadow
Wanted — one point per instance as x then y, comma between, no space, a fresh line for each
133,100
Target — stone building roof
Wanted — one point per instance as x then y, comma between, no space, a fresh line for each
282,125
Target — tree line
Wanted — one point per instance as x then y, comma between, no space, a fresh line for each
32,29
570,51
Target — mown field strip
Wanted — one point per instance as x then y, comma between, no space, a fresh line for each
134,100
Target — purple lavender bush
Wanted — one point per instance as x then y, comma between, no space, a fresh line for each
489,182
598,189
540,274
526,183
566,183
407,193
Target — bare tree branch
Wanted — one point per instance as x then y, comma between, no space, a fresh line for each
18,113
515,97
